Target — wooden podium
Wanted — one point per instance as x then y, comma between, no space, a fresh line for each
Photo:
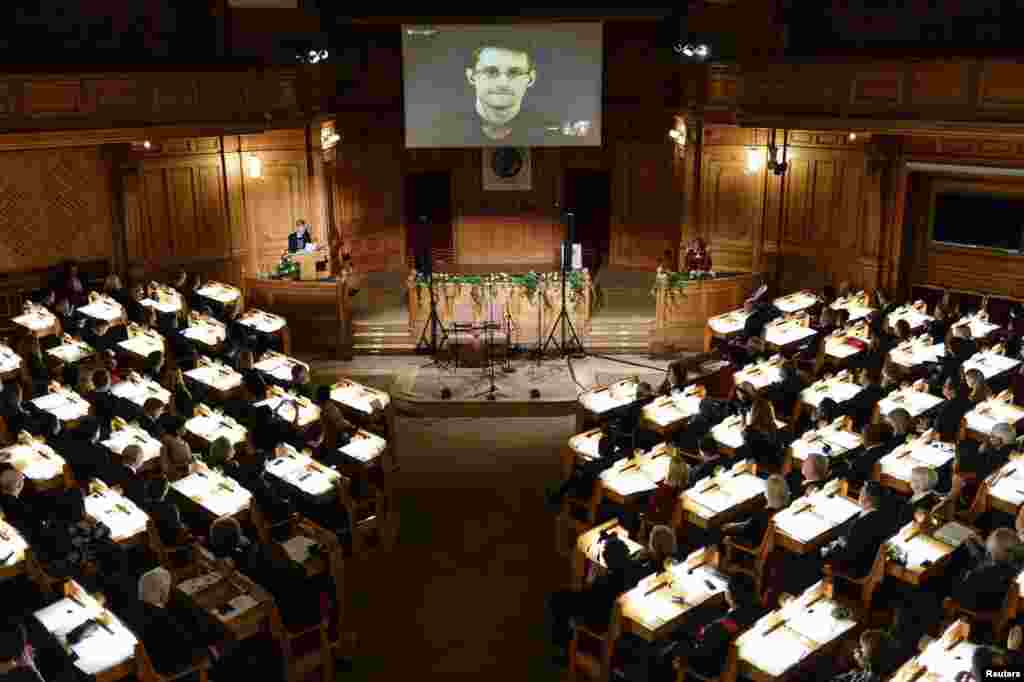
307,261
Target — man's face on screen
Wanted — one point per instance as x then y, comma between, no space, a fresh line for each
501,78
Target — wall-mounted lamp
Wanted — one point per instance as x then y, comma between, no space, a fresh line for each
678,135
777,164
146,144
852,137
755,160
253,167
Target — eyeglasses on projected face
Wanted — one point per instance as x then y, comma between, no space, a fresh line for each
493,73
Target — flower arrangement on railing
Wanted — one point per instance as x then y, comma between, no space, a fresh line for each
531,282
676,282
287,268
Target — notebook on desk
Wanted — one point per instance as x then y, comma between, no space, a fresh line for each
953,533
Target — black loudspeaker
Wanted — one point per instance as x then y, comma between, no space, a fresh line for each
570,223
424,262
566,256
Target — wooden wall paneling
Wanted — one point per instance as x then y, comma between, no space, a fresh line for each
646,204
731,208
274,202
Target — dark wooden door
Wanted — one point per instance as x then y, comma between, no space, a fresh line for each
588,196
428,213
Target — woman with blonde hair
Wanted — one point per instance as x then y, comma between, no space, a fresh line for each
663,502
760,434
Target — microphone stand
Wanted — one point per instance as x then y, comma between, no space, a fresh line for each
433,323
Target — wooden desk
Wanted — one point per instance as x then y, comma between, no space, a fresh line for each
102,308
70,352
916,352
990,364
38,321
782,642
812,521
661,602
152,449
224,294
308,411
12,550
598,401
138,389
925,554
216,494
264,322
839,388
278,367
836,437
843,344
1003,490
727,325
917,319
893,471
979,422
205,331
943,659
207,426
760,375
590,545
720,499
667,414
980,326
729,433
10,363
368,449
310,547
857,305
355,396
302,472
787,334
64,404
628,479
127,523
141,343
796,302
217,377
234,601
163,300
40,464
109,653
913,401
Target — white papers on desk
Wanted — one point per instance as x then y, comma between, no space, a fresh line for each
9,360
99,651
138,391
856,309
817,624
297,548
278,366
916,353
365,447
106,310
665,411
841,439
713,497
117,513
631,482
774,652
835,509
990,364
240,605
1010,486
199,583
953,533
997,412
587,444
36,320
262,322
36,461
936,454
839,391
133,435
805,526
358,397
219,292
946,666
304,473
143,344
208,332
914,317
308,412
979,328
12,545
219,377
221,495
919,549
212,427
71,353
786,333
729,433
168,307
729,323
608,398
794,303
914,402
759,376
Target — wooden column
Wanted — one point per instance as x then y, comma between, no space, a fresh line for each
893,276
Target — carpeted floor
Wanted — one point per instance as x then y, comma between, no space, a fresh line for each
465,589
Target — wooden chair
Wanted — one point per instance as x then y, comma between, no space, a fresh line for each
998,619
590,650
751,561
49,585
145,672
298,658
577,515
373,527
174,559
865,585
729,670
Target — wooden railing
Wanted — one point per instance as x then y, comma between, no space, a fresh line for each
682,314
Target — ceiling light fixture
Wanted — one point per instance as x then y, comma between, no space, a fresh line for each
253,167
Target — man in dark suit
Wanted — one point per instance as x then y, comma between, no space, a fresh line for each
104,403
124,474
81,448
983,586
854,552
18,512
950,413
963,345
152,410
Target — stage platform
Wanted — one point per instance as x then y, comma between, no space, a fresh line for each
416,387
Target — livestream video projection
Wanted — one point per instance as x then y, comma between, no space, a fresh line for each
502,86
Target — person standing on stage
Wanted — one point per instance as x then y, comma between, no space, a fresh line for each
298,239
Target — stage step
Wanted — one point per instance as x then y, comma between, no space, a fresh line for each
619,335
382,337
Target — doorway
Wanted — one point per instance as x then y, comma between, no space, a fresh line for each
588,196
428,214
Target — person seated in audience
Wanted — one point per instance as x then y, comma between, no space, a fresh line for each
300,381
614,445
125,474
154,366
978,388
814,472
760,314
962,344
152,411
1000,444
875,658
938,328
104,403
195,300
705,650
71,286
593,605
109,362
245,361
82,449
711,457
761,438
825,413
99,335
177,460
902,331
70,323
168,634
72,545
826,321
983,586
113,288
17,657
862,406
242,407
750,531
854,551
709,413
165,514
901,423
891,378
184,403
661,548
249,468
877,442
337,429
923,480
950,414
180,282
18,511
661,504
221,452
785,394
14,412
34,369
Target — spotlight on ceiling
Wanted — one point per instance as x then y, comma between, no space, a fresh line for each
692,50
312,56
